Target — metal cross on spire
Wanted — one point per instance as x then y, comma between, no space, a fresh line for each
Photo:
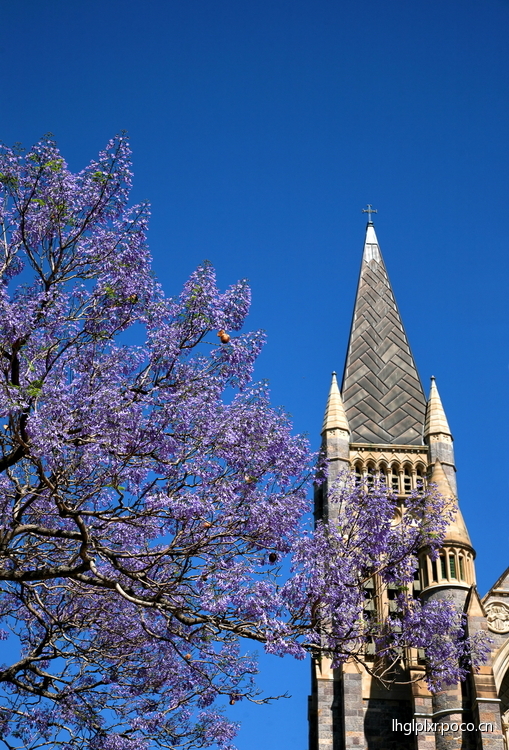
369,211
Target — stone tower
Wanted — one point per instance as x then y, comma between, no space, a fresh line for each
381,423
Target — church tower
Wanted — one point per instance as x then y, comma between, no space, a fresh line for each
381,423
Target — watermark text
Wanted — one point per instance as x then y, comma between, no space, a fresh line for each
439,727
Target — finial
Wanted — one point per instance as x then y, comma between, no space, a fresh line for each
435,422
334,372
335,417
369,211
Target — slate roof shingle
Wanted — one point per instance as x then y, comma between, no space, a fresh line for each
382,392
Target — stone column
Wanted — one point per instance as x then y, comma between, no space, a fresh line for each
423,711
448,709
323,713
485,700
353,708
486,710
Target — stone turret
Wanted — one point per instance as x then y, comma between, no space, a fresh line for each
335,431
335,446
438,436
457,530
451,577
454,568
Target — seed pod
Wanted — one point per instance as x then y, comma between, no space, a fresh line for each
206,524
272,557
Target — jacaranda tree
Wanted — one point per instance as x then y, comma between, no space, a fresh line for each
149,493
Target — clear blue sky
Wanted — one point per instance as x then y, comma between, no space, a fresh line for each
260,130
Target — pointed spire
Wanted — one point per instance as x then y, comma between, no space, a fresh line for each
383,397
457,529
436,421
335,417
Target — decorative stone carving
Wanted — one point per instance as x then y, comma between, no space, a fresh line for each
440,438
498,617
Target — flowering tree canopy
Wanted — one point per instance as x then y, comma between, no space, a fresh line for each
149,493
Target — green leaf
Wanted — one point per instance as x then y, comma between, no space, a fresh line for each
55,165
8,180
34,389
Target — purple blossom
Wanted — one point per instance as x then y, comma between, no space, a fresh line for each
149,494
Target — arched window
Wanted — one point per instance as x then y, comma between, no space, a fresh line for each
395,478
358,474
407,481
443,566
419,476
424,568
383,474
452,564
434,572
371,475
461,567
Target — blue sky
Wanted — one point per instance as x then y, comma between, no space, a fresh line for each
260,130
